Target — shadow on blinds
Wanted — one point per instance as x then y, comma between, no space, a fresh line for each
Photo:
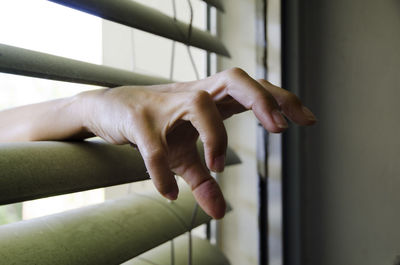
139,16
115,231
108,233
159,255
36,170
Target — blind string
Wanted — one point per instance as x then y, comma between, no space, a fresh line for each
172,65
196,72
188,37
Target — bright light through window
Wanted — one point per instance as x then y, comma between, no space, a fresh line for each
44,26
47,27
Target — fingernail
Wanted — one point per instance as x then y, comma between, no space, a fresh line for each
173,195
219,163
279,120
310,116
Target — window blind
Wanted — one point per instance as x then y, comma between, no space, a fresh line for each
216,3
20,61
115,231
132,14
41,169
108,233
162,254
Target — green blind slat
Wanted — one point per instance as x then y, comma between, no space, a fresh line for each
36,170
108,233
203,252
216,3
20,61
132,14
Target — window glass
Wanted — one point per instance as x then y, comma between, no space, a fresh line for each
51,28
46,27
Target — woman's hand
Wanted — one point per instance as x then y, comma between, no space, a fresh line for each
165,121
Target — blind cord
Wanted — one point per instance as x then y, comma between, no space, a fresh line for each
189,37
196,72
172,66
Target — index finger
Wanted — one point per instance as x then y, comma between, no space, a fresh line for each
252,95
266,101
290,104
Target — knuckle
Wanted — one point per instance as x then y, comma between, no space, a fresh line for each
267,97
154,155
136,113
267,100
200,98
262,81
235,72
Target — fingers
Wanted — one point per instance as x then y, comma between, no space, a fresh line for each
205,189
267,101
229,107
252,95
290,104
205,117
154,153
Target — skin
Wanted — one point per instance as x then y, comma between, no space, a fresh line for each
164,122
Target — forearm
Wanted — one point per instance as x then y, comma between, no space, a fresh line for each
164,122
52,120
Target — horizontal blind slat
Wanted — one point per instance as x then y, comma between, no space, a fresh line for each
203,253
216,3
108,233
36,170
132,14
14,60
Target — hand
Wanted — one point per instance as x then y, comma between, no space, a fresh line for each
165,121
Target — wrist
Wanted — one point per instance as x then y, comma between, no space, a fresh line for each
83,105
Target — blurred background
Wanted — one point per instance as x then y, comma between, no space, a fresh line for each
332,191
